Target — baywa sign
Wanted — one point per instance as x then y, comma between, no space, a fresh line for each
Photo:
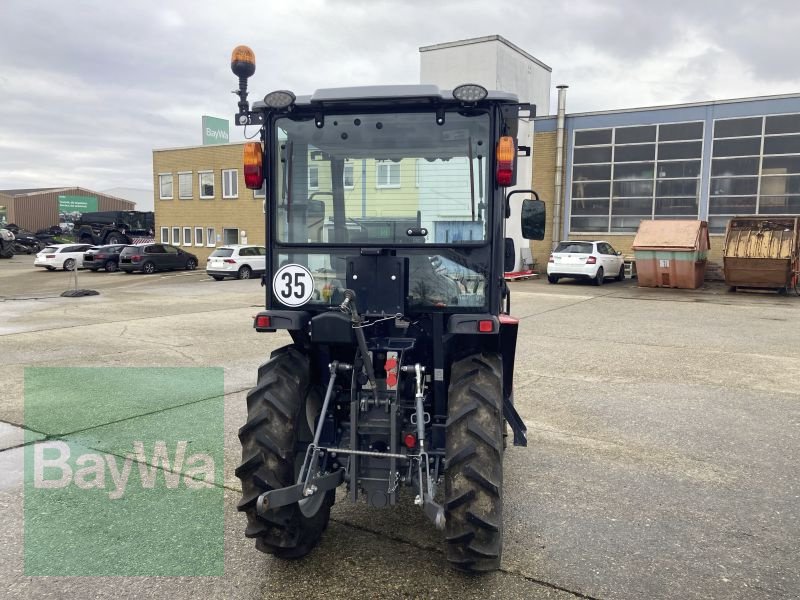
124,465
88,471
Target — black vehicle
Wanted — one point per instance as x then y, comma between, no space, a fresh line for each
6,243
114,227
401,363
26,242
103,257
149,258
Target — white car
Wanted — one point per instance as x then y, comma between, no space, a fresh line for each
61,256
236,260
595,260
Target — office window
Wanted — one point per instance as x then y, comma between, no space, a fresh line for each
206,181
165,235
187,236
176,236
185,185
313,177
230,183
230,236
198,236
262,191
625,174
211,236
165,186
387,174
755,168
349,182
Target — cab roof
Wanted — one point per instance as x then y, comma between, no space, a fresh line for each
388,93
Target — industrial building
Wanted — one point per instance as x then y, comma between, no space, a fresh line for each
706,160
39,208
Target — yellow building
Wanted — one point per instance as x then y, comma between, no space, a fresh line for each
201,201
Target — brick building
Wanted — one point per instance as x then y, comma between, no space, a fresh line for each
201,200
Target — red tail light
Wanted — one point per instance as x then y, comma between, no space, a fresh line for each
505,160
551,259
592,260
49,255
486,326
253,170
229,261
136,258
99,255
263,321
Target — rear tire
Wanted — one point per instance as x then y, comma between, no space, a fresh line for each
69,264
245,272
111,266
148,268
276,424
600,277
191,264
621,274
552,279
474,475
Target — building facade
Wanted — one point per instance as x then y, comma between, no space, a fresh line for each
709,161
497,64
201,201
40,208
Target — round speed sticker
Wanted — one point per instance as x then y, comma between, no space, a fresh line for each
293,285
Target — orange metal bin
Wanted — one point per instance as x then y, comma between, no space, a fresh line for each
671,254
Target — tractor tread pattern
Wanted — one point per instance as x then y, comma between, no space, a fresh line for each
474,464
269,438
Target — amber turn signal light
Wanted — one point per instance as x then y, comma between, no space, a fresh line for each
253,167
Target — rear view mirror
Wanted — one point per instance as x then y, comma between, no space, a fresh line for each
510,256
533,219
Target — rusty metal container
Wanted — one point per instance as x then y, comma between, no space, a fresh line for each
762,251
671,254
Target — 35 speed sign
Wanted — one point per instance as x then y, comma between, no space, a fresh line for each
293,285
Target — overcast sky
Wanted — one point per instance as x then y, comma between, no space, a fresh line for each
89,88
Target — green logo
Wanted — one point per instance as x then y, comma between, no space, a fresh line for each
128,480
215,131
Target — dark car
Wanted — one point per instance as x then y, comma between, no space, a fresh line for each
103,257
150,258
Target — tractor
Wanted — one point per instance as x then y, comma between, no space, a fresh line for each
385,216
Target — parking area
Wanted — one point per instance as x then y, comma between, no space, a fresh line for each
663,425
